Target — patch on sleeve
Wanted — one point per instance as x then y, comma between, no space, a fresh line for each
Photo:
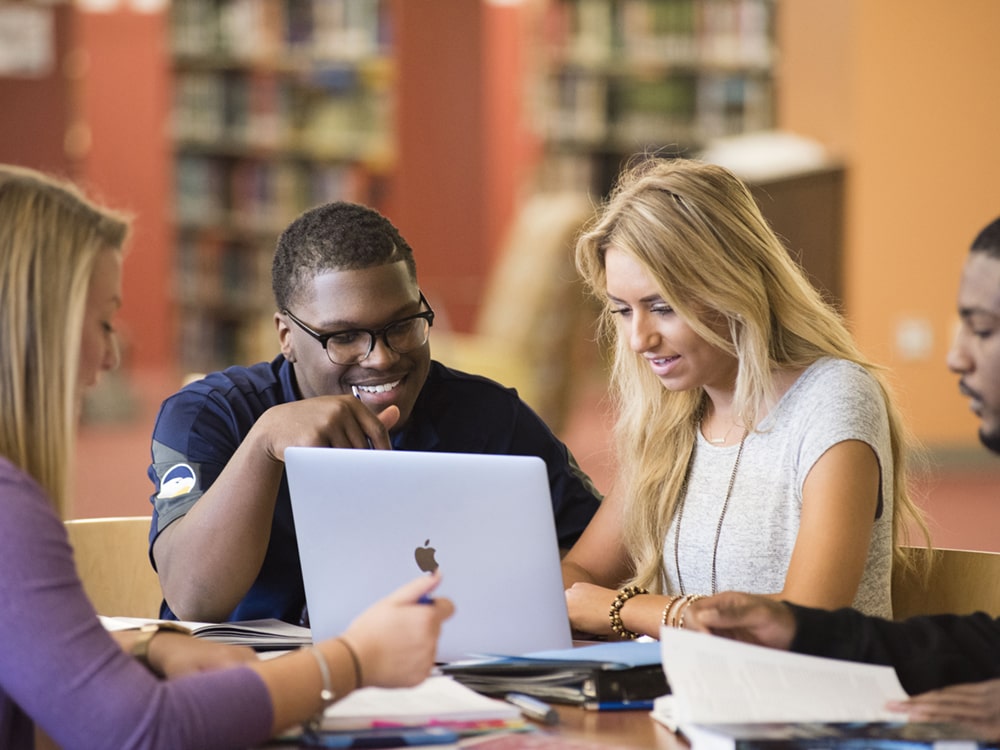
179,479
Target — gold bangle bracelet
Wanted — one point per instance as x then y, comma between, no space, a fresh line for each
354,660
140,646
326,693
669,605
684,608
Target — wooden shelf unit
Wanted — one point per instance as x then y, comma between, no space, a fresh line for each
629,77
279,105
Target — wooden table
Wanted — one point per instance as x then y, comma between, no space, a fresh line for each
610,729
633,729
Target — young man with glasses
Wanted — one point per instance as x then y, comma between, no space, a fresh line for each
355,371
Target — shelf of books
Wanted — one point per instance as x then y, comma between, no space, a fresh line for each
279,105
636,76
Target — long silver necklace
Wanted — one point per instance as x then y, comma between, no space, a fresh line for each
718,528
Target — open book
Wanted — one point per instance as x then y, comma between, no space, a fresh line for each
731,695
260,635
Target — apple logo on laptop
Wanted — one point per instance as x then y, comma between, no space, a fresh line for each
425,557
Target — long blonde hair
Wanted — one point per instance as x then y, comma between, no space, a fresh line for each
50,237
698,232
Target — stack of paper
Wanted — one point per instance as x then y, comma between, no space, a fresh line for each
714,679
727,694
437,701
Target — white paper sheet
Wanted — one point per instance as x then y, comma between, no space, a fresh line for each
714,679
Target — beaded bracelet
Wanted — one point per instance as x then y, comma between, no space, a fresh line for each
617,627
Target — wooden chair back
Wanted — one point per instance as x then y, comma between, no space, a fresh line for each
535,329
112,558
958,582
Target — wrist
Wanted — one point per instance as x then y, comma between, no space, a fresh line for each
140,648
352,654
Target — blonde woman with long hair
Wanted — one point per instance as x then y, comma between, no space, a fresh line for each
758,450
60,670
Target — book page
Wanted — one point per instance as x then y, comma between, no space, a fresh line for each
714,679
268,632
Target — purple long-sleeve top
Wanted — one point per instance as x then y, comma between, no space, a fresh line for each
61,670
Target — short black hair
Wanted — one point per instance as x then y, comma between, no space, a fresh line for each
339,236
988,240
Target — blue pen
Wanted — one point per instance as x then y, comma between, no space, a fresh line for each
637,705
375,738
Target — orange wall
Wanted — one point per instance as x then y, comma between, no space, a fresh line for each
460,137
904,92
125,101
100,118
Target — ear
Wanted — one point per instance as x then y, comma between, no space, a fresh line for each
284,337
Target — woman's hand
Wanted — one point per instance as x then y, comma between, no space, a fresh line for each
396,638
588,606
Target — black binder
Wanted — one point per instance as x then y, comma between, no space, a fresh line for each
592,683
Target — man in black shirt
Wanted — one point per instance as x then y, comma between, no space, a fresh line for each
354,371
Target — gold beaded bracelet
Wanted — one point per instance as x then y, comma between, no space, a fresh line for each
617,627
669,605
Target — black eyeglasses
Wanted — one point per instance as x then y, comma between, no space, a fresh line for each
354,345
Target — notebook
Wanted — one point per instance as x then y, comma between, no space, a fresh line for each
368,521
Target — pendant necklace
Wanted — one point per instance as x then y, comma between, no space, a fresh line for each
718,528
723,439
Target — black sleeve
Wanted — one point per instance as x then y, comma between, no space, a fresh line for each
575,499
927,652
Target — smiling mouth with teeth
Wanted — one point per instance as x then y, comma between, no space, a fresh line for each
380,388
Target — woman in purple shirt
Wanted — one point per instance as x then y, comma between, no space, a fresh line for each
60,671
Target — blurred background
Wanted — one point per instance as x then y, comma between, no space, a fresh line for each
487,131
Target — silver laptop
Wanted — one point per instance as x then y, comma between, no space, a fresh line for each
368,521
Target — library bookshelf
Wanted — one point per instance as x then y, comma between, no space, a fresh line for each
279,105
629,77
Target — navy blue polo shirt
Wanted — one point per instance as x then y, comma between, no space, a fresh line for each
199,428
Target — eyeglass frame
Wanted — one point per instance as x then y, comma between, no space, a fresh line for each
373,335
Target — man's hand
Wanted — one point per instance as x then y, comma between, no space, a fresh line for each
743,617
975,702
325,421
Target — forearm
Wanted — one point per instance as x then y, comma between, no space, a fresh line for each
927,652
573,572
295,681
599,556
208,559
